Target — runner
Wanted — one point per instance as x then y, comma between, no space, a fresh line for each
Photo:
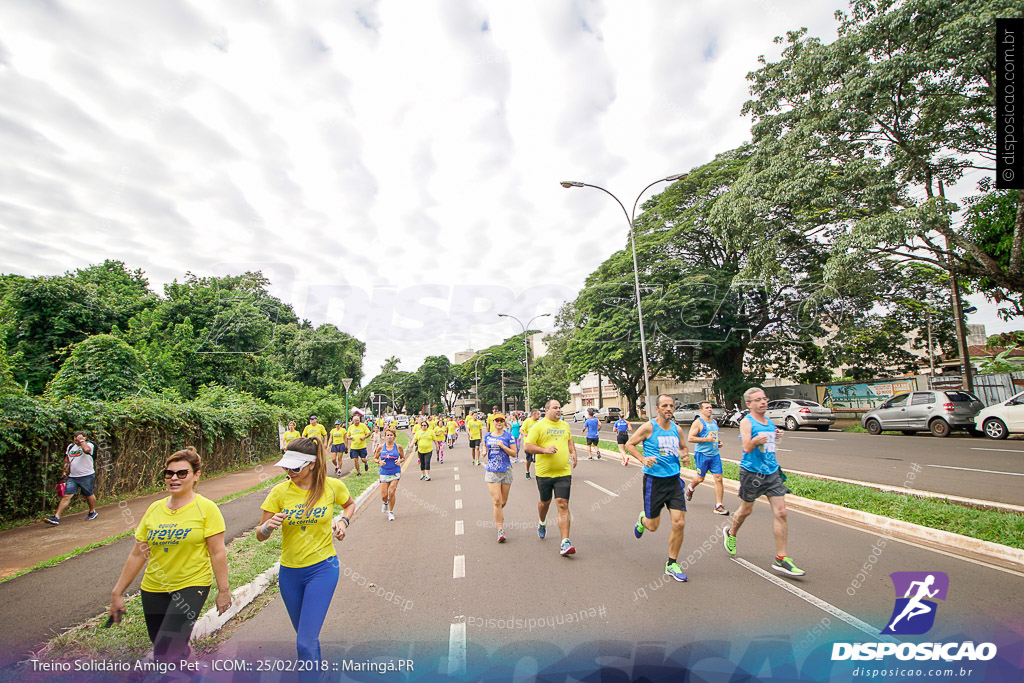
621,437
289,436
302,506
80,470
517,425
706,455
591,427
338,446
664,444
314,430
525,431
475,427
490,418
423,442
389,459
453,431
180,541
356,440
499,446
551,441
760,475
440,432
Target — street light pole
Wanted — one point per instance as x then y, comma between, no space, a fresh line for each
630,219
476,380
347,382
526,348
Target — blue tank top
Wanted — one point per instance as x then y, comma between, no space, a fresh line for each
707,448
762,459
389,460
662,444
515,429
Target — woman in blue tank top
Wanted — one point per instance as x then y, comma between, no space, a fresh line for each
389,457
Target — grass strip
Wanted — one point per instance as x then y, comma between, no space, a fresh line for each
997,526
247,559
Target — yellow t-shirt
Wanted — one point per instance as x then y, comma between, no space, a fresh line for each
424,440
490,422
527,423
439,432
358,434
474,426
289,437
307,539
547,434
453,427
178,556
338,435
312,431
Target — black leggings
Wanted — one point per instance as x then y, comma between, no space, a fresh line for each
170,618
425,460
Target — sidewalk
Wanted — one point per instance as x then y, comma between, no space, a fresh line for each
26,546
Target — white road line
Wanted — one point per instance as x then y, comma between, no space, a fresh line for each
784,450
455,469
809,438
459,570
458,503
460,527
1001,450
816,601
601,488
457,649
456,477
971,469
458,487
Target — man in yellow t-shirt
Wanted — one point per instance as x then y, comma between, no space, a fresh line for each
338,446
475,428
490,418
314,430
356,439
524,431
289,436
550,440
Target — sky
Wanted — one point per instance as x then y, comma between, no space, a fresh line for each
392,167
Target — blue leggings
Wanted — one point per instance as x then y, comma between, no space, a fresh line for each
307,594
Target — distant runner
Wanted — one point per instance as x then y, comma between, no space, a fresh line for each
475,428
621,437
706,455
389,458
591,429
356,439
525,431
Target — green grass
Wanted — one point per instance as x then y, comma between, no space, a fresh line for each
996,526
247,559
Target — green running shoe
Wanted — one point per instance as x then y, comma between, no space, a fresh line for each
730,543
639,529
786,566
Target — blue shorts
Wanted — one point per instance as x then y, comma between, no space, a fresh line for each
338,448
83,484
707,463
357,453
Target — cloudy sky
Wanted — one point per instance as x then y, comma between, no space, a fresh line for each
392,166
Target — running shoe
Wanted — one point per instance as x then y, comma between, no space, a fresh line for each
689,492
383,507
675,571
55,520
426,478
92,515
527,475
598,456
720,510
391,516
422,477
542,530
566,548
730,542
786,566
639,529
501,535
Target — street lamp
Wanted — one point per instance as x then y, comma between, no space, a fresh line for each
526,348
476,380
347,382
636,271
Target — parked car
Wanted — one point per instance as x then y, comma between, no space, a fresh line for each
940,412
688,412
608,414
578,416
1002,419
796,413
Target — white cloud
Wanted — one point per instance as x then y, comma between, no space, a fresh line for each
361,149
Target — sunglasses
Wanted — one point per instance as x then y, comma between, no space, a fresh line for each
296,470
180,474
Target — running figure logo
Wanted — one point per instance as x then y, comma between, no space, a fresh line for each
914,613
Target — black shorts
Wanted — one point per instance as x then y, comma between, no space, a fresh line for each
530,457
621,438
753,485
663,491
559,486
592,440
473,443
357,453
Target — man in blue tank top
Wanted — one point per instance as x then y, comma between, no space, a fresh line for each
664,443
760,475
706,455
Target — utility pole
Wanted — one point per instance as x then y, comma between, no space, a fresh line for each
503,390
600,398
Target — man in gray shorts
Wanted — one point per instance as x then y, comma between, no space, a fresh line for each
81,473
499,447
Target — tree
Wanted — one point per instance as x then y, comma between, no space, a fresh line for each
435,373
549,374
101,367
319,357
991,221
390,365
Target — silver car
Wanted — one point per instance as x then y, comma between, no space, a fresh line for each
797,412
688,412
939,412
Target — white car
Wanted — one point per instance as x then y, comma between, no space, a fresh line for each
1002,419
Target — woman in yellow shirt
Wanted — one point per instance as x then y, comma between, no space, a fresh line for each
303,508
423,442
182,538
440,431
289,436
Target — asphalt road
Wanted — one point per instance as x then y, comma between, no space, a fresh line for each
526,610
959,465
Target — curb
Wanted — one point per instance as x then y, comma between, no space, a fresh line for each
985,551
